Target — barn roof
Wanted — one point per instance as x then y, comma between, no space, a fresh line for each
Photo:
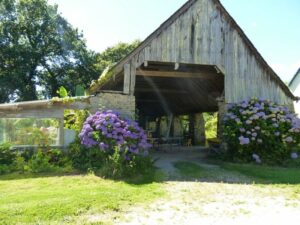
117,68
295,81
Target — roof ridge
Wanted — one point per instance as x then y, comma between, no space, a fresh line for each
255,51
294,77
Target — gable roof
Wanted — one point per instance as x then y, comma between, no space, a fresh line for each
295,81
117,68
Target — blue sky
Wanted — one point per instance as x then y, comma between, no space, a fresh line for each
273,26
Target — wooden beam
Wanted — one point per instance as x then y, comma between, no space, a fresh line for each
176,74
126,85
148,100
167,91
132,77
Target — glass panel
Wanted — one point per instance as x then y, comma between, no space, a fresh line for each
29,131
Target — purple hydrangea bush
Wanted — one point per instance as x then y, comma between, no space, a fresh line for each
262,131
107,131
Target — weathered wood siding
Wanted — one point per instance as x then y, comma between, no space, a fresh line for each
297,104
203,35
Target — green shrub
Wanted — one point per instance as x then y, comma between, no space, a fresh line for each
20,165
4,169
261,131
27,154
40,163
57,157
7,156
83,158
118,165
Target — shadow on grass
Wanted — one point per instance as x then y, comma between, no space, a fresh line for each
28,175
154,176
203,170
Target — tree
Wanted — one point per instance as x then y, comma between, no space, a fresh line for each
115,53
38,47
40,50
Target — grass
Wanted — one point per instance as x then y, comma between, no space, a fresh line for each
255,173
67,199
189,170
266,174
89,199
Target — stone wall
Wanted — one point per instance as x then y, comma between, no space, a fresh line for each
125,104
199,131
222,109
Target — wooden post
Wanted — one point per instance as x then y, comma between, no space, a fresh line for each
126,87
132,77
157,127
170,121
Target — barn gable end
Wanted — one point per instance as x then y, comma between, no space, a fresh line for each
202,32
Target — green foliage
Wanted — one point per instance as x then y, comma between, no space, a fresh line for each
57,157
116,167
39,47
85,158
40,163
211,123
107,164
4,169
266,174
20,165
27,154
114,54
74,119
62,92
7,156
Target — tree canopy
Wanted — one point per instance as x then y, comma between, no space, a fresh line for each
40,52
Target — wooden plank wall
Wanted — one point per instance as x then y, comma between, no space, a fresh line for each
203,35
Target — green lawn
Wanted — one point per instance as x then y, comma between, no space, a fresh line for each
89,199
256,173
66,199
266,174
189,170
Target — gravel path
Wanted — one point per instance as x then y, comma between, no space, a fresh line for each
228,198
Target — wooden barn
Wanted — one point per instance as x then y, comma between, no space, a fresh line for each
294,85
196,61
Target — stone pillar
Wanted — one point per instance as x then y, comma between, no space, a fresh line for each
192,128
199,129
177,127
221,113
